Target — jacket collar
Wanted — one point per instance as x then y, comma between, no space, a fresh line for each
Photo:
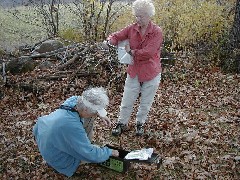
149,29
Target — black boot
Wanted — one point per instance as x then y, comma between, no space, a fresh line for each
119,129
139,129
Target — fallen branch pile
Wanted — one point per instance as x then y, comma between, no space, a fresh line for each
86,61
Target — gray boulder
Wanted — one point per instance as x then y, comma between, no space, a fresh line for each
48,46
45,65
21,65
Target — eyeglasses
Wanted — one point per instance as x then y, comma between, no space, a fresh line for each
140,17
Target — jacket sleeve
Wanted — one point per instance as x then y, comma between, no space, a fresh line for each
78,145
119,36
152,48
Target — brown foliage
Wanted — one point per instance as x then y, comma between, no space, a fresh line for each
193,123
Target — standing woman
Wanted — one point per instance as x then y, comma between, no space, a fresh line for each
144,75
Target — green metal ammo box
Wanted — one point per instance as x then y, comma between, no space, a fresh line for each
121,165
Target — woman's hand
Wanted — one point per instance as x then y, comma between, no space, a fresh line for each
105,45
115,153
106,121
127,48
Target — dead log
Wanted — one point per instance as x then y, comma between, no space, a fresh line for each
75,58
4,72
45,55
29,87
61,76
69,62
51,53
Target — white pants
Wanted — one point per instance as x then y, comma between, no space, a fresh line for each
132,89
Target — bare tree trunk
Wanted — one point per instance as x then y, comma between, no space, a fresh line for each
50,15
235,41
235,36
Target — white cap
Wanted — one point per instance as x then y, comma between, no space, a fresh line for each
99,96
101,111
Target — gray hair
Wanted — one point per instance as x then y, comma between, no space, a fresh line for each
144,5
95,96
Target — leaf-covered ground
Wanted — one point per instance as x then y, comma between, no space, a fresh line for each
194,125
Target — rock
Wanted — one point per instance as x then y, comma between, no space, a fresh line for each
1,94
1,81
45,65
18,66
48,46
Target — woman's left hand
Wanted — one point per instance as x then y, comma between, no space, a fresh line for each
127,48
106,121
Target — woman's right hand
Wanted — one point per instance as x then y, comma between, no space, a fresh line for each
105,45
115,153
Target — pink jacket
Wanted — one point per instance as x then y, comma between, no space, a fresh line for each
147,49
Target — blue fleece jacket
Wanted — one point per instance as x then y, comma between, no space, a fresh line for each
63,142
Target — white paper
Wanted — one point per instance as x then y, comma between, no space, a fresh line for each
142,154
123,56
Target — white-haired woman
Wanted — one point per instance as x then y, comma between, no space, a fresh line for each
143,76
64,136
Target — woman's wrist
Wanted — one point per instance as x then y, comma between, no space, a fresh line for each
130,52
